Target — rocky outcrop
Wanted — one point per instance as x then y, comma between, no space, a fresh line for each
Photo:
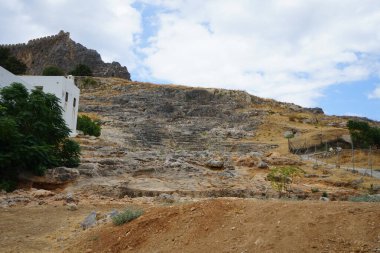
165,117
52,179
61,51
160,139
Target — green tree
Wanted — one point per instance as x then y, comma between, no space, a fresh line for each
52,71
33,136
11,63
282,177
88,126
81,70
363,135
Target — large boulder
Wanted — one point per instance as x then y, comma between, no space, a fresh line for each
52,178
40,193
89,221
215,164
262,165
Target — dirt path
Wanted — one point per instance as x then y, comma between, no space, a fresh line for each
46,228
226,225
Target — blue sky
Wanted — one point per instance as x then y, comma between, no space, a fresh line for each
309,52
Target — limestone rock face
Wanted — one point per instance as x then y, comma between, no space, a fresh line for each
161,140
52,178
61,51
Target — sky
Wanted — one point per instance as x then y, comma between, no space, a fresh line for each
314,53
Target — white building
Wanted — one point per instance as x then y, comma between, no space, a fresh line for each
6,78
61,86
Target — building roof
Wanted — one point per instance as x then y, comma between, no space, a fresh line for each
7,78
49,80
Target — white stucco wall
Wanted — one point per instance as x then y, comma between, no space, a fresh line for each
59,86
7,78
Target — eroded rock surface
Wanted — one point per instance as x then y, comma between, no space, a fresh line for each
166,139
160,139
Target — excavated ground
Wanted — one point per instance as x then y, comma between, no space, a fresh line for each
221,225
226,225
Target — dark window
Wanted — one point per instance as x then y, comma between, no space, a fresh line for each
67,97
74,102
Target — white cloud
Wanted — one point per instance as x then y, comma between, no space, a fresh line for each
109,27
375,94
289,50
284,49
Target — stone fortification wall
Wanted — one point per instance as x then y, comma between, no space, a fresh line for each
61,51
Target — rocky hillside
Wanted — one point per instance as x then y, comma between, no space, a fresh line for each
61,51
195,142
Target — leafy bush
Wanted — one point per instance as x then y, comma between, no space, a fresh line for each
69,153
365,198
52,71
126,216
88,126
11,63
325,195
364,135
89,82
81,70
282,177
33,133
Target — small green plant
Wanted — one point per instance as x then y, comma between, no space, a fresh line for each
325,195
88,126
314,190
282,177
127,215
89,82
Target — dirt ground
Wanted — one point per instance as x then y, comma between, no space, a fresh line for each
222,225
244,226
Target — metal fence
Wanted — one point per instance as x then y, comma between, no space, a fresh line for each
339,154
366,161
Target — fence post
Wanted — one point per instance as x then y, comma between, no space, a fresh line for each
337,158
370,158
315,152
353,156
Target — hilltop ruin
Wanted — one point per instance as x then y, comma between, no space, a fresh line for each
61,51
